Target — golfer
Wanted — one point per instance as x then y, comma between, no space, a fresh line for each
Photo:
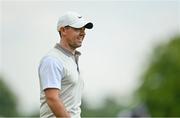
59,73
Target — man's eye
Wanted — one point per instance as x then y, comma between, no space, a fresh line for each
79,29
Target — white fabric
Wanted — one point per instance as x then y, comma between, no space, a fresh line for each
50,71
73,19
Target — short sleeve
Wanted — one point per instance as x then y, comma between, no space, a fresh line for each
50,73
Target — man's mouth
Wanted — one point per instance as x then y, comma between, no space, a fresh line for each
80,39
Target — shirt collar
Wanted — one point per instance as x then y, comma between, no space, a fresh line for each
67,52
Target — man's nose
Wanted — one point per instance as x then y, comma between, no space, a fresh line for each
82,32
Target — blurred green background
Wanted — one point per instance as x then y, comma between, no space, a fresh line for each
157,94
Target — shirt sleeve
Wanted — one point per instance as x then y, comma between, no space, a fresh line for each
50,73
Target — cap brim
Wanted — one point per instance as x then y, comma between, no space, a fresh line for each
82,23
89,25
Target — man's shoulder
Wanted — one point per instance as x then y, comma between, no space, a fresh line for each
49,60
54,56
55,53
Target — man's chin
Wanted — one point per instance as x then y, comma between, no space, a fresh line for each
77,46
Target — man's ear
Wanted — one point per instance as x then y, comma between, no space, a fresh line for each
63,31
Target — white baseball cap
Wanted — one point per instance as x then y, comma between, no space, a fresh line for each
73,19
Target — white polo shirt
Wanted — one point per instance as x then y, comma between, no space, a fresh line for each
59,69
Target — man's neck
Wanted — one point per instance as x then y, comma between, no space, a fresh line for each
67,47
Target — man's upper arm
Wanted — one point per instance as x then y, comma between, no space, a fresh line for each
52,93
50,73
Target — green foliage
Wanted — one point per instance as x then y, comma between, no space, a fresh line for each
110,108
7,101
160,89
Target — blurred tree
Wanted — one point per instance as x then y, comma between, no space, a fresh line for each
160,89
7,101
110,108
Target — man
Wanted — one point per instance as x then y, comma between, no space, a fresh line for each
60,82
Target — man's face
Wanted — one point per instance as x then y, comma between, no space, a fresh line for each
74,36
